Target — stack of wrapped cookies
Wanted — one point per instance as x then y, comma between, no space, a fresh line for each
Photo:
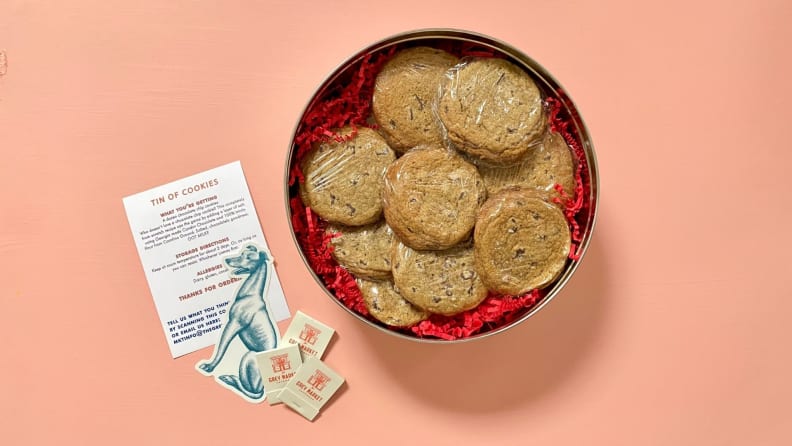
453,192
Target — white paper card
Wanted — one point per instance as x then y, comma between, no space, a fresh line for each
183,232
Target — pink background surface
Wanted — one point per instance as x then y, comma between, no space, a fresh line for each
675,330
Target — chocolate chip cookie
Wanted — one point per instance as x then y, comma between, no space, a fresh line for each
491,109
363,250
344,180
404,92
544,166
431,197
521,242
443,282
385,304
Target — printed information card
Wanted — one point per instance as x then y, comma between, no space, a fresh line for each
184,231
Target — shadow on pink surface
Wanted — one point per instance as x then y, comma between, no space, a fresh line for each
511,368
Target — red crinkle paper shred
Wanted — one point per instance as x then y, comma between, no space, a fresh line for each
572,204
349,105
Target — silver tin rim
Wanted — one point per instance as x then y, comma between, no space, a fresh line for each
549,82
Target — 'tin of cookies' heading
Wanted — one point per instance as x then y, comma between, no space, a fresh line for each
185,191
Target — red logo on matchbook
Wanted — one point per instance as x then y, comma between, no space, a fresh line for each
310,334
318,380
280,363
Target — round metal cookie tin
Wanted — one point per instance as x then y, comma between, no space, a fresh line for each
585,218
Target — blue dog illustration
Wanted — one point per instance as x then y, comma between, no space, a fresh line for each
249,320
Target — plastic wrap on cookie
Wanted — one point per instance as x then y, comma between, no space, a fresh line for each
404,91
387,305
431,196
344,177
543,168
521,242
442,282
363,250
490,109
